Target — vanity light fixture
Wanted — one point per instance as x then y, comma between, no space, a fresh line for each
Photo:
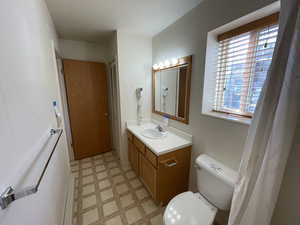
167,63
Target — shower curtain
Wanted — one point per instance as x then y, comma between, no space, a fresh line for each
272,130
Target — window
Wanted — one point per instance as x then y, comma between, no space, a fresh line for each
244,58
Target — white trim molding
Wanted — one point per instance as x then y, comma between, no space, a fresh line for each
68,214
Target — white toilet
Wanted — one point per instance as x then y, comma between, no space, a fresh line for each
215,183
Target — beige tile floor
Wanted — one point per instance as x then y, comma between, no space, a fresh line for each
107,193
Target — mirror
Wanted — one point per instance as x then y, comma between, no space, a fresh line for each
171,89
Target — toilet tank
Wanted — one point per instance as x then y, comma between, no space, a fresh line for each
215,181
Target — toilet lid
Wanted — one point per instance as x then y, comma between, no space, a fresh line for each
189,209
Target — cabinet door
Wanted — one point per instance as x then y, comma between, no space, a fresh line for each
148,175
173,174
135,159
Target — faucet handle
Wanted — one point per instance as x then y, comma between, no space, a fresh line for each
160,128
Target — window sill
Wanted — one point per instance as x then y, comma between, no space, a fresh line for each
232,118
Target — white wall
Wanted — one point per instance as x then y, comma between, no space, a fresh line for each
134,66
221,139
28,86
81,50
112,52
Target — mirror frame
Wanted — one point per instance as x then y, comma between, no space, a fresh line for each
187,60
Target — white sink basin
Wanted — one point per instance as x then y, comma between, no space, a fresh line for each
153,134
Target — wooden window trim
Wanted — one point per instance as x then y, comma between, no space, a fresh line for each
232,113
263,22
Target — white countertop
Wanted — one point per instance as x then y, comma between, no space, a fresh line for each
169,143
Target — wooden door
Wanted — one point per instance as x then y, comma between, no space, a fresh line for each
86,85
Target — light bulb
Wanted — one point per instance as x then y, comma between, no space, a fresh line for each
155,66
167,63
161,65
174,61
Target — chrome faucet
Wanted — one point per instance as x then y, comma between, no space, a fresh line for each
160,128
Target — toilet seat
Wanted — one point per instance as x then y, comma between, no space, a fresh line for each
189,209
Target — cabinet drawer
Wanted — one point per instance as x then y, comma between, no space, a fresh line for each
129,135
151,157
139,145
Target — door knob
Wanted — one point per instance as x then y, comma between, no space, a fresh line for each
106,114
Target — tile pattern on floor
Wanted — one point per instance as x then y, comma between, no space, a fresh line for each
107,193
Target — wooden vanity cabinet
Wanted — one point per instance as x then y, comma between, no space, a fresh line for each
164,176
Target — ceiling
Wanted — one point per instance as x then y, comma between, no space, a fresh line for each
94,20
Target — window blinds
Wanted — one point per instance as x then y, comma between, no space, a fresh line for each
244,57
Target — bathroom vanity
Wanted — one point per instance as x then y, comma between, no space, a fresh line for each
162,164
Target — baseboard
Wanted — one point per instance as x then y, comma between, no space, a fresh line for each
68,217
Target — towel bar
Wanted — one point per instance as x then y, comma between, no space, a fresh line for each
10,194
